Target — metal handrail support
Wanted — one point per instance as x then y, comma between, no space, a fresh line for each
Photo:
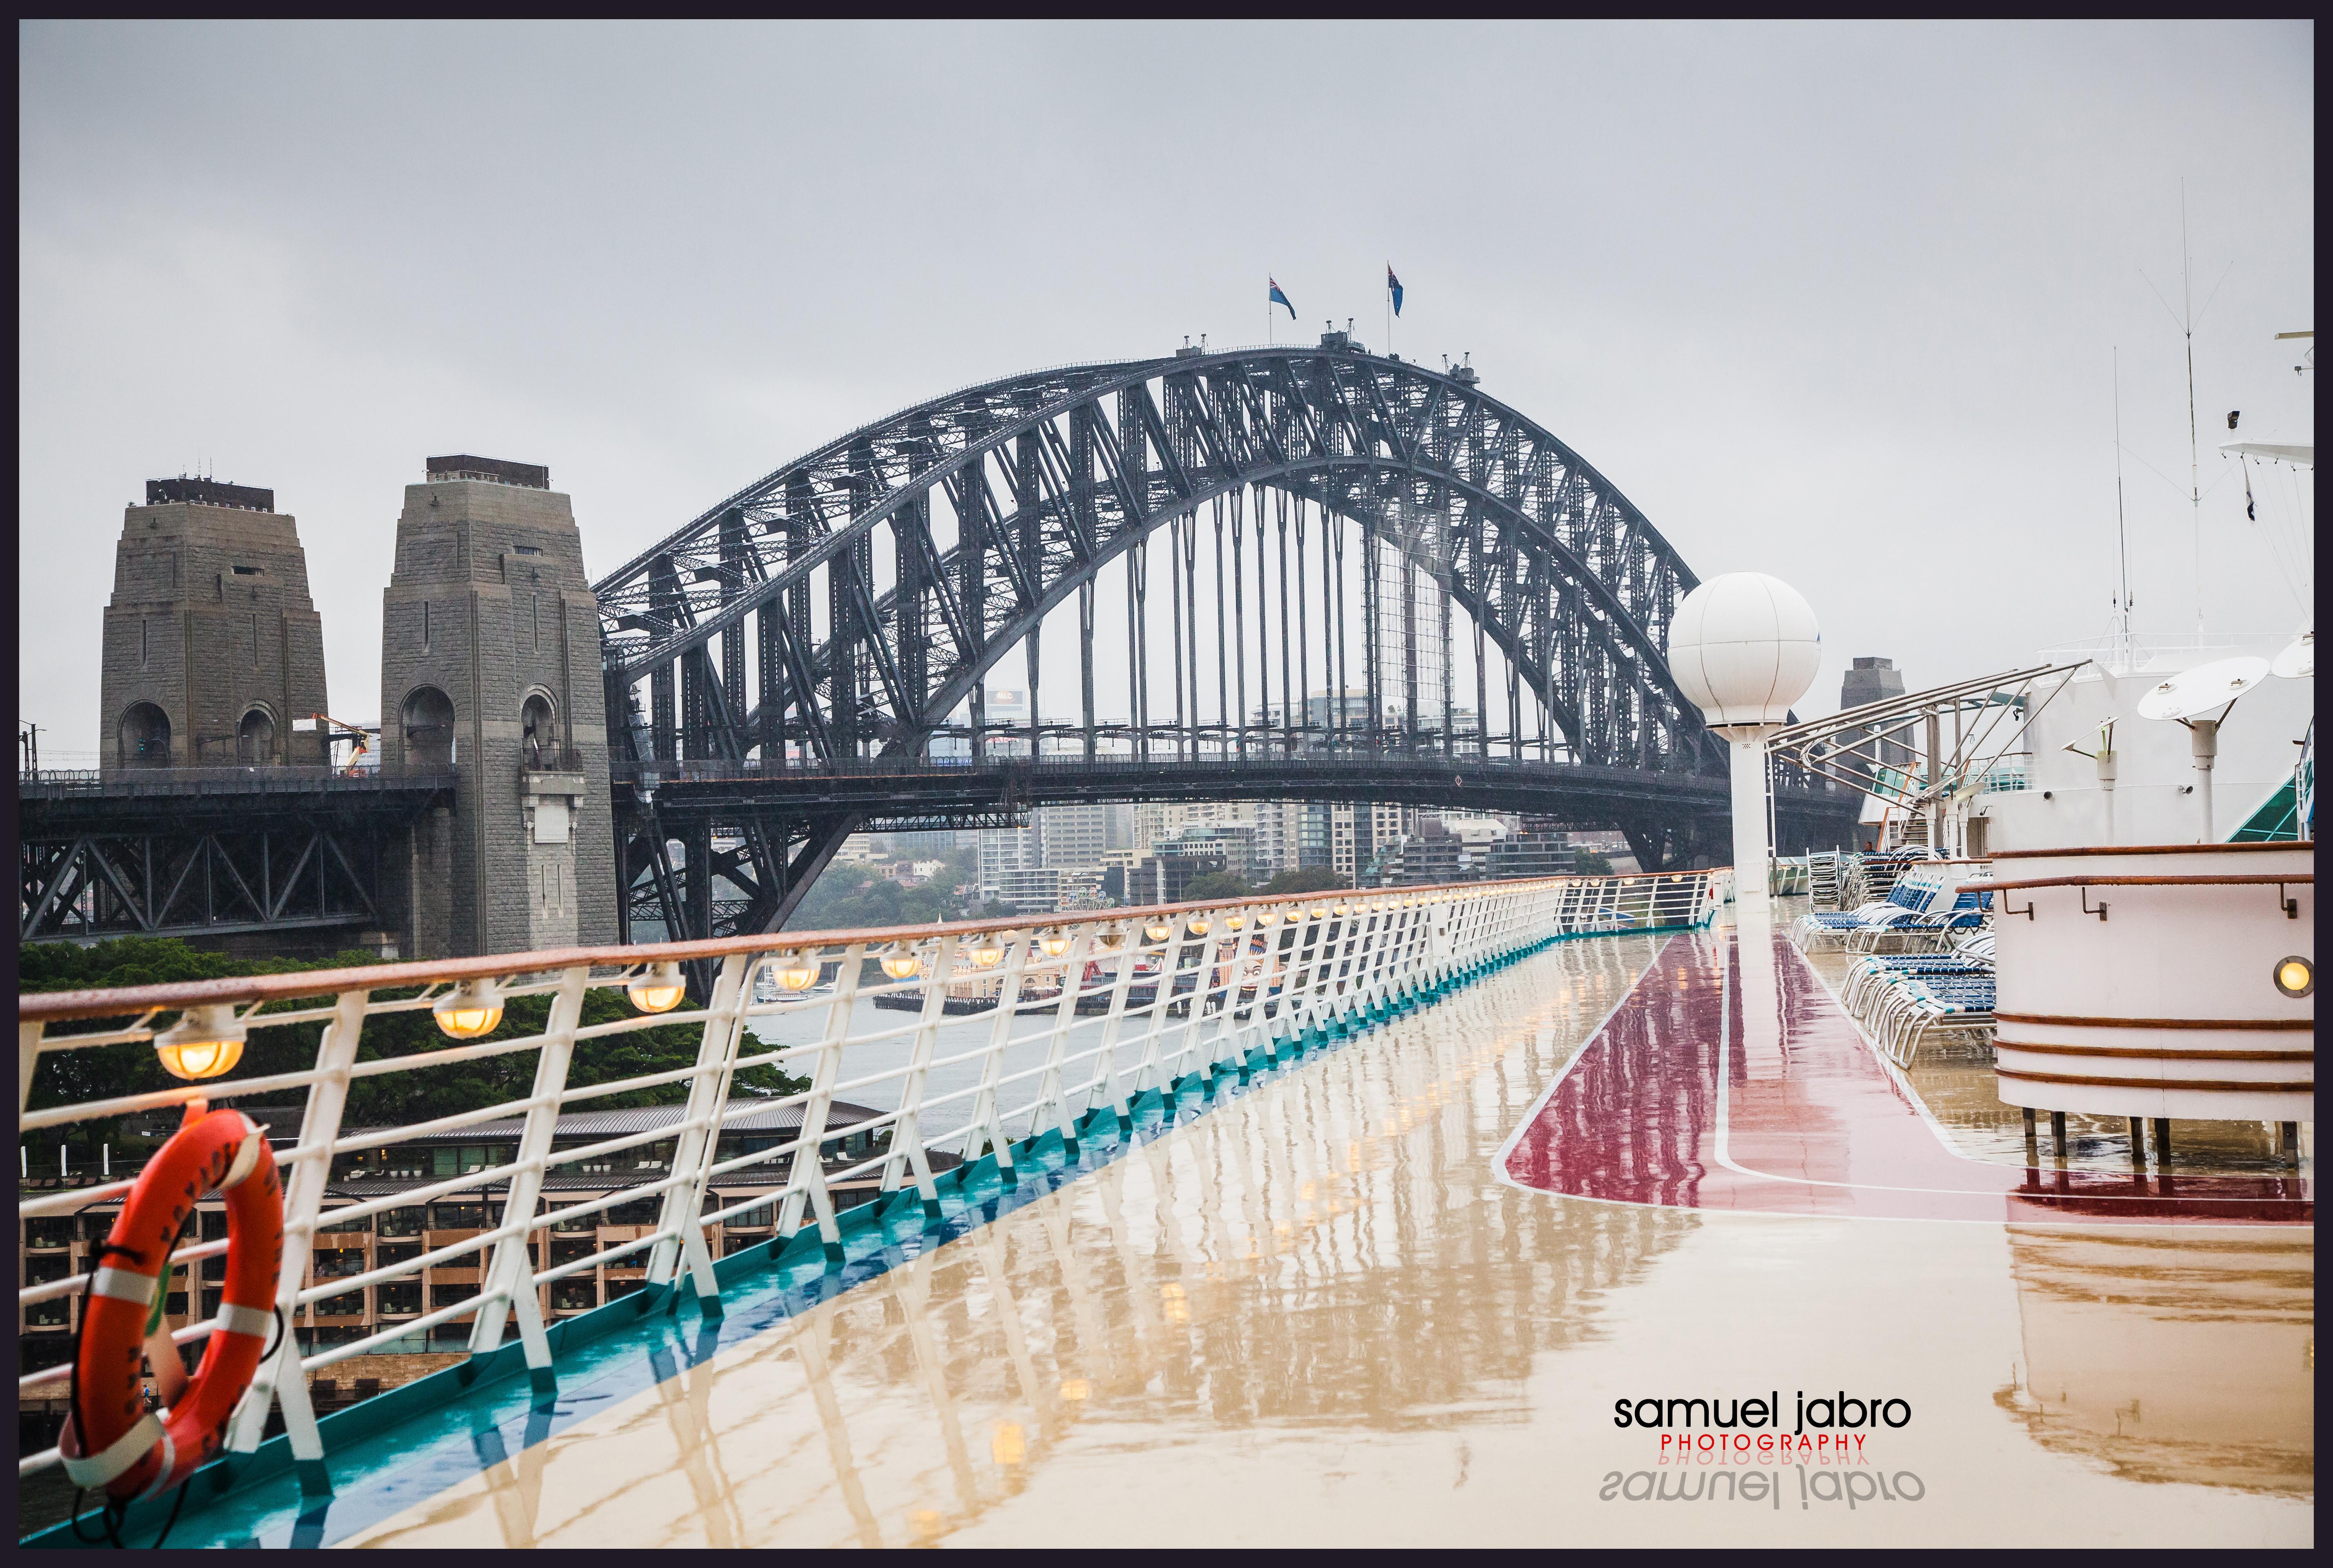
1113,1026
806,1177
986,1123
907,1153
328,1097
513,1253
716,1055
1049,1098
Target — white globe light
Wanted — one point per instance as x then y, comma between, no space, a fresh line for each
1743,648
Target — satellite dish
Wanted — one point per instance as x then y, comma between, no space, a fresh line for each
2203,689
2298,660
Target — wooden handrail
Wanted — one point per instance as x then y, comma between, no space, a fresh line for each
45,1006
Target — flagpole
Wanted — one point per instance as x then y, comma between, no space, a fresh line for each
1388,309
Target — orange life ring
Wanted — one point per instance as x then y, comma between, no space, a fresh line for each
110,1440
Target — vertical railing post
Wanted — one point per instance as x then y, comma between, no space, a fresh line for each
985,1119
1051,1101
907,1153
806,1175
1230,949
1150,1071
510,1273
1128,951
1309,942
1352,972
280,1380
682,1216
1203,988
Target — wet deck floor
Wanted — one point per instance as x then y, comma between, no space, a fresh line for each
1319,1314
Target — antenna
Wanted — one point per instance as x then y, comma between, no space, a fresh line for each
2194,481
2122,533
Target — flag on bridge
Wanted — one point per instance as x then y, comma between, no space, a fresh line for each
1276,297
1393,288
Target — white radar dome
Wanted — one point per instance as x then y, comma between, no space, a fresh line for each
1743,648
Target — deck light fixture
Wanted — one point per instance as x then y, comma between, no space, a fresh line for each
1235,922
1198,926
1321,914
1158,931
1114,938
203,1043
798,971
1266,918
987,951
902,963
1054,943
657,989
1342,911
2296,976
471,1009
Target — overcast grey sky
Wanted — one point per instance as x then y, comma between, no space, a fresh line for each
1835,302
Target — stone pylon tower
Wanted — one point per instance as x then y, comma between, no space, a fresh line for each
490,665
212,650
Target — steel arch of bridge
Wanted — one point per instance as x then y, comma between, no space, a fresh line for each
1000,502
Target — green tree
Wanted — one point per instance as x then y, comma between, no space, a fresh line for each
1588,863
1215,885
1312,879
848,896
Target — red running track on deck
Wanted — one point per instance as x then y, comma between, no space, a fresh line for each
1661,1106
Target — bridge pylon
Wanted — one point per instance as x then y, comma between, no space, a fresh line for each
490,665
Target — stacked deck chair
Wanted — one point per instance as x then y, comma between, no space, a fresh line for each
1928,890
1901,999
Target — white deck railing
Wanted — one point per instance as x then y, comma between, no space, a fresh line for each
1080,1013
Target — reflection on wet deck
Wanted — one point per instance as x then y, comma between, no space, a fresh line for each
1314,1315
2171,1357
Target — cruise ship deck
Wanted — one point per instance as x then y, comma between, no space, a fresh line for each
1393,1292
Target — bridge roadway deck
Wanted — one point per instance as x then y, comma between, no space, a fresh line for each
1391,1294
49,802
928,789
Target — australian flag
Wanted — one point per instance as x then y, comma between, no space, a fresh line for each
1277,297
1393,287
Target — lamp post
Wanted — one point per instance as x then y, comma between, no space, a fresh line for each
1743,648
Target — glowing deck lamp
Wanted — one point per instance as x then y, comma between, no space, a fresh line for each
1054,943
987,952
471,1009
203,1043
1158,931
1198,926
1743,648
902,963
657,989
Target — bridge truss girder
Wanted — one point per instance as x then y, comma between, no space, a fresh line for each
198,880
880,579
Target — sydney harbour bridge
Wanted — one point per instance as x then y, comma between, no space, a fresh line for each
1303,572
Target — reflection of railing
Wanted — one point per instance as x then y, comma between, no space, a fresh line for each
1260,972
